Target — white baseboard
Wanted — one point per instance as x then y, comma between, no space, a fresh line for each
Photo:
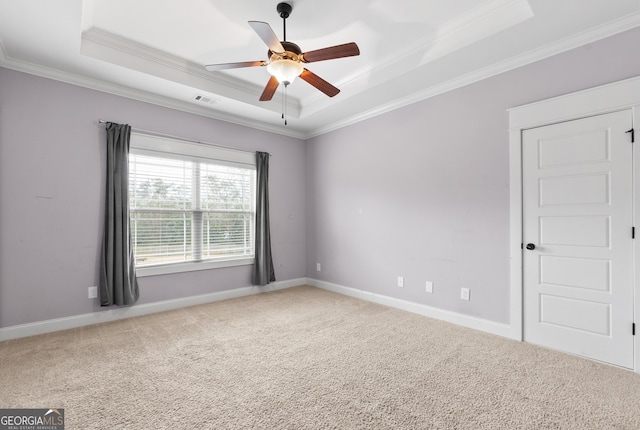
48,326
504,330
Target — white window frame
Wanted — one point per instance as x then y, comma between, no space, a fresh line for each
152,145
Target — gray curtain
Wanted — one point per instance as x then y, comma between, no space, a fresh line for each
118,283
263,272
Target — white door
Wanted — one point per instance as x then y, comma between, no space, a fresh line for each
577,198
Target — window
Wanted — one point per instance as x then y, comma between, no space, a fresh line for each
192,206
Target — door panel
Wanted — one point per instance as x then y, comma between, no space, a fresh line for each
574,231
588,273
577,148
591,317
575,190
577,211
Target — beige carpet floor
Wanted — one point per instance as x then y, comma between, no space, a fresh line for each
304,358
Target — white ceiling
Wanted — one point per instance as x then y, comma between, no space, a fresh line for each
155,50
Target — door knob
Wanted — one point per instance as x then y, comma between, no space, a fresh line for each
530,246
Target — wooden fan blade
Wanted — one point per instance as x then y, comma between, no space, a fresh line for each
270,89
338,51
225,66
268,36
319,83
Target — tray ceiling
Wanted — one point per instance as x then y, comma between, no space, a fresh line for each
156,51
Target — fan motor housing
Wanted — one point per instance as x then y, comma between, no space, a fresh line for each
291,52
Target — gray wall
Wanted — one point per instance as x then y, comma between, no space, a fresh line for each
51,190
423,191
420,192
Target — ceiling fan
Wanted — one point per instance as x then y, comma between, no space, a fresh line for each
286,58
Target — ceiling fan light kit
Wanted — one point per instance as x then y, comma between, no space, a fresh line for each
286,58
285,70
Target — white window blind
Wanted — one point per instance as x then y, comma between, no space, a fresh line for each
190,204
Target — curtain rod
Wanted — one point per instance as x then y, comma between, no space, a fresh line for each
169,136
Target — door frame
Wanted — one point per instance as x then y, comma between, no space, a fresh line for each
617,96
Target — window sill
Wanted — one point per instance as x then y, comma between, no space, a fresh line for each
166,269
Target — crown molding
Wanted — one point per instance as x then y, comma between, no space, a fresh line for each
138,95
598,33
580,39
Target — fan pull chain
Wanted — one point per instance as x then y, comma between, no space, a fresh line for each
284,104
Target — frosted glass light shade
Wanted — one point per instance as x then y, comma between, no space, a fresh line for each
285,71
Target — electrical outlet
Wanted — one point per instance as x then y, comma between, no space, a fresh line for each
465,294
400,281
318,267
428,285
93,292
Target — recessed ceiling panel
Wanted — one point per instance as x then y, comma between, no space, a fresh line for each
409,50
